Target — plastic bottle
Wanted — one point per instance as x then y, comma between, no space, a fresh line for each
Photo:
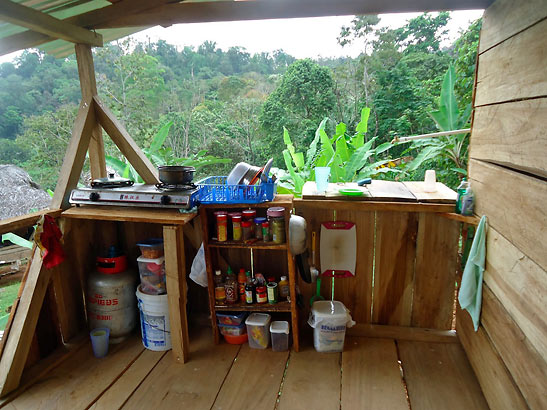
283,288
231,287
468,202
461,191
241,281
220,292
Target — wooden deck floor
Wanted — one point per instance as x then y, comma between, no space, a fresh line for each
370,374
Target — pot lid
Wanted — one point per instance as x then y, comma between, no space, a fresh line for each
111,181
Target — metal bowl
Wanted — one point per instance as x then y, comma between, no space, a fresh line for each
176,174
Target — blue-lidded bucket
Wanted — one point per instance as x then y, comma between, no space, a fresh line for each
154,318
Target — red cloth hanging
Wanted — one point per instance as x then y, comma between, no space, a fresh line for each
49,240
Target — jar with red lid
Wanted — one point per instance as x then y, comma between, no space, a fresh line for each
247,230
249,214
266,237
261,294
222,227
236,227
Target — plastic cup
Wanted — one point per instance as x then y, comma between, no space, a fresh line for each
430,181
322,178
99,341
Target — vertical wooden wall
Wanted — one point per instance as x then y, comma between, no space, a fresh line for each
507,168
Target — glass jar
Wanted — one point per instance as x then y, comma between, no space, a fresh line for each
266,231
246,227
249,214
261,294
272,292
258,227
236,227
222,227
276,217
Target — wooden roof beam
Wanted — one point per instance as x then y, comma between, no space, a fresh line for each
28,39
198,12
44,23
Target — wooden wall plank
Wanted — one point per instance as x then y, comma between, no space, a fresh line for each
17,344
302,392
434,372
496,382
515,206
520,285
253,381
370,375
394,267
435,273
514,69
356,293
522,360
505,18
512,134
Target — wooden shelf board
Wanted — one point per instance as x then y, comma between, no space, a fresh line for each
255,245
129,214
255,307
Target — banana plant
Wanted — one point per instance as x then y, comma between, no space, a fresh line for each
160,155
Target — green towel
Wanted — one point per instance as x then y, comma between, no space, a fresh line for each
470,296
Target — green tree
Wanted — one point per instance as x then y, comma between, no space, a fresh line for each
465,49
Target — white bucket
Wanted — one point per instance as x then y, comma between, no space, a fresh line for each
154,318
329,321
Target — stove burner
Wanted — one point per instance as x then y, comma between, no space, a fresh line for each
162,186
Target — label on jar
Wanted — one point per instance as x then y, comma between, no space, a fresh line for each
220,294
237,231
222,233
272,292
261,297
231,294
249,296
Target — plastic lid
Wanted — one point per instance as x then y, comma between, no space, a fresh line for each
258,319
279,326
260,219
328,308
246,224
218,272
276,211
283,278
221,217
236,217
151,243
265,224
157,261
248,212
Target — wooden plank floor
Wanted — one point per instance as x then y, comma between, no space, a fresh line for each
370,374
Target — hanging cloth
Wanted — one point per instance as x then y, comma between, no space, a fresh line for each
48,238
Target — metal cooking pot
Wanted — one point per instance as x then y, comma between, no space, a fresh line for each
176,174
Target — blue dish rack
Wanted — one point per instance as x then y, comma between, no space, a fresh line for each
215,190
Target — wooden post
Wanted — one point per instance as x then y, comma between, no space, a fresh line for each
175,271
88,85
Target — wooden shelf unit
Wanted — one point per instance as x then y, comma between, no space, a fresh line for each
231,252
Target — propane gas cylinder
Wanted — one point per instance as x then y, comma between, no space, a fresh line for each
111,300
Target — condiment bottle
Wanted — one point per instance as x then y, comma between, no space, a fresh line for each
249,289
222,227
468,201
276,216
261,294
266,232
249,214
231,287
241,280
220,292
461,191
258,227
236,227
246,226
283,288
272,292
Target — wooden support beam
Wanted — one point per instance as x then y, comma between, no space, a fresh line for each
75,155
177,13
88,85
28,39
44,23
125,143
19,339
175,271
24,221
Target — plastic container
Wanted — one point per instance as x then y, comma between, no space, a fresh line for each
329,321
154,317
280,335
233,330
236,340
99,341
152,273
216,190
231,319
258,329
222,227
258,227
151,248
322,178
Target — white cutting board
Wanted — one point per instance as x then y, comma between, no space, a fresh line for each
338,249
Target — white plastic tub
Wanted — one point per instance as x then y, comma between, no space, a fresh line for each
258,329
279,330
329,321
154,318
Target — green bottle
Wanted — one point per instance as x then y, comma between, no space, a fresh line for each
461,191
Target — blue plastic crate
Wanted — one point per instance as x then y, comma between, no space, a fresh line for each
215,190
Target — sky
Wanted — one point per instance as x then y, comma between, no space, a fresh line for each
302,38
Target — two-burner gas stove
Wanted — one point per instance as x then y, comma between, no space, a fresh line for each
143,195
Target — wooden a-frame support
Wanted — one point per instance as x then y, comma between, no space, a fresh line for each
86,135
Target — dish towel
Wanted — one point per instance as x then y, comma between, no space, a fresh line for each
470,296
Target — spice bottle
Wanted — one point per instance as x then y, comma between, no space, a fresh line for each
236,227
272,292
283,288
249,289
222,227
261,294
266,231
249,214
220,292
241,280
247,229
231,287
276,216
258,227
